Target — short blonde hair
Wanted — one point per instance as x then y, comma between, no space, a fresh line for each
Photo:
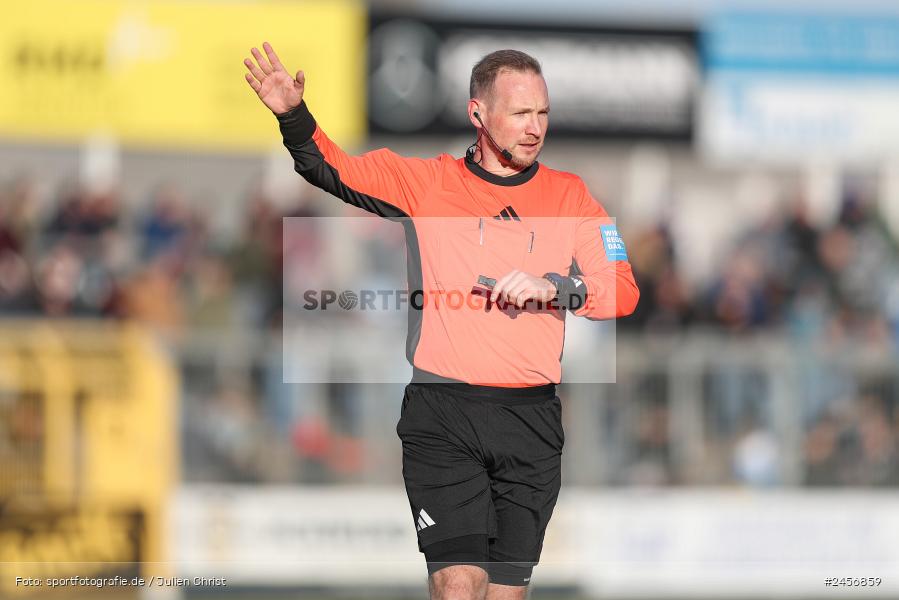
484,73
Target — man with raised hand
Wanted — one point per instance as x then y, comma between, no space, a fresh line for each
521,245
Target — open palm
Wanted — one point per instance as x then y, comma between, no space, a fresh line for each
272,83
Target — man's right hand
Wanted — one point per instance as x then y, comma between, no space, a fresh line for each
272,83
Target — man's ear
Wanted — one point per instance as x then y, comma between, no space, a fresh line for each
474,106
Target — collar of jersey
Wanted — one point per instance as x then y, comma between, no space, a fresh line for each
509,180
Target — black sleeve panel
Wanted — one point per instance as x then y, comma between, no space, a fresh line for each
297,127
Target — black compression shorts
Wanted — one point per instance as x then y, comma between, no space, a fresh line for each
482,468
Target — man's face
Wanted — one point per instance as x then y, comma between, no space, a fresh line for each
518,114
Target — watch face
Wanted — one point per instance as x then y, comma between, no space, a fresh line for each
555,280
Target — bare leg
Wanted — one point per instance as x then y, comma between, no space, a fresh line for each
496,591
459,582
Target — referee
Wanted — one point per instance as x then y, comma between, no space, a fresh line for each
522,245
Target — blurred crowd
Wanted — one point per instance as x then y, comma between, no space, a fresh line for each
828,288
819,284
81,253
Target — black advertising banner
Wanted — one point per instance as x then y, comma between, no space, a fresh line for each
612,83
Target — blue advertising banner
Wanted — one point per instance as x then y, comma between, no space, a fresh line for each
788,87
828,45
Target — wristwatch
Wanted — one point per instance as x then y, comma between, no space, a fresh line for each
557,280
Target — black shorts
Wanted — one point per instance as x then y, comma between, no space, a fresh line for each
482,468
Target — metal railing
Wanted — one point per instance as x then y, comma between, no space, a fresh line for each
697,409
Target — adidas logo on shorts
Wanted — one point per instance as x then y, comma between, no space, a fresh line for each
424,520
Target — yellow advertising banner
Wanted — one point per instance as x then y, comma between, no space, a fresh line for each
88,452
42,550
169,74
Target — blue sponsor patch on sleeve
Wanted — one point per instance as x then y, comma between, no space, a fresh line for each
611,241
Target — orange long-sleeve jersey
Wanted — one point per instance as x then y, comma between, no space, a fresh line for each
463,222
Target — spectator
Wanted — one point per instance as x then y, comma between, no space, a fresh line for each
166,226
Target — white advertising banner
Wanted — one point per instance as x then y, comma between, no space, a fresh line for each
301,536
680,544
296,536
709,544
790,120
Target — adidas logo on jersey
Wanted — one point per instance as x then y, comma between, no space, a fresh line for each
424,520
507,214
